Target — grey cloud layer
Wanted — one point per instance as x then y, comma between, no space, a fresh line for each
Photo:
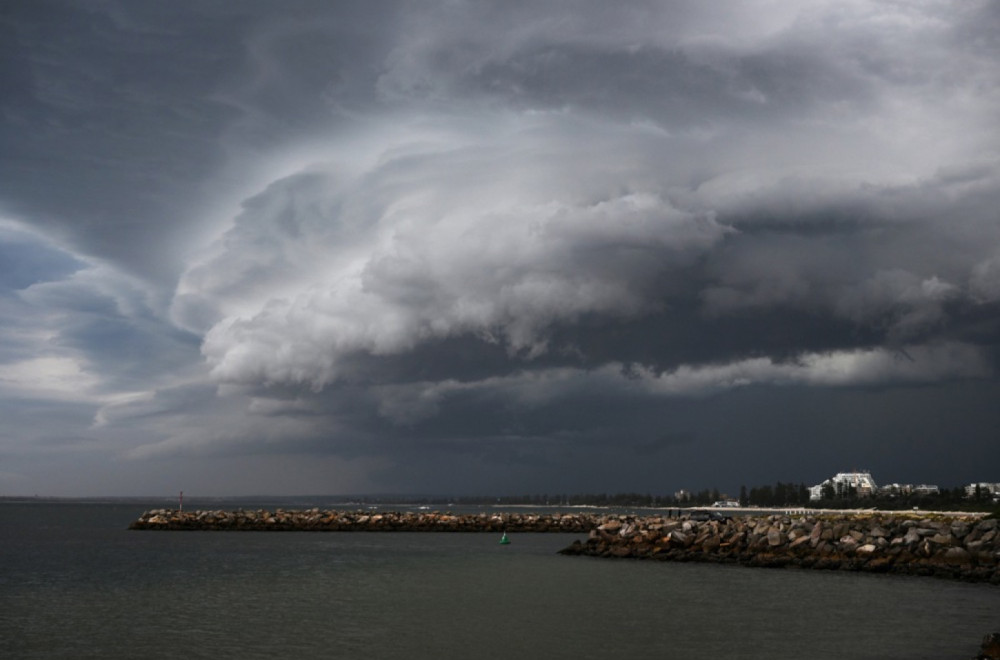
396,229
562,171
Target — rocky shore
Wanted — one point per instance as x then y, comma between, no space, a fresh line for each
964,548
316,520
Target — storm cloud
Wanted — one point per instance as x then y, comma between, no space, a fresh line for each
464,247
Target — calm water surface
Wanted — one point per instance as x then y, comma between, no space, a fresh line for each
74,583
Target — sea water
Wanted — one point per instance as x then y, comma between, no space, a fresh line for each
75,583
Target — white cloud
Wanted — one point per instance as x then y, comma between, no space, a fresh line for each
443,240
861,367
114,407
406,404
62,378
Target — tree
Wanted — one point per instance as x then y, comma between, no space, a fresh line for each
765,496
744,500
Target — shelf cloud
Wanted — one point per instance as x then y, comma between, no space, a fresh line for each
467,246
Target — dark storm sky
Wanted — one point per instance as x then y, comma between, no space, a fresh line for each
450,247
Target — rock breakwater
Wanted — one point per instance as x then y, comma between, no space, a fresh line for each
963,548
316,520
966,548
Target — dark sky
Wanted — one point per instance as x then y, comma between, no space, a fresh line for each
487,248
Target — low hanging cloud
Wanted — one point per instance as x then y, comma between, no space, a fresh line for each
406,404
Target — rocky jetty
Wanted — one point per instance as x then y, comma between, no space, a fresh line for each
965,548
990,648
316,520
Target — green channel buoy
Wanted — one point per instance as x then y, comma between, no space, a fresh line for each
504,540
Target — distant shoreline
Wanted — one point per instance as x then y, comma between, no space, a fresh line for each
332,502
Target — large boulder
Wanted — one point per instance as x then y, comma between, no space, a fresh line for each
990,649
774,537
957,556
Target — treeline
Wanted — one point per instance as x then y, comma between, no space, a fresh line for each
577,499
545,499
705,497
781,494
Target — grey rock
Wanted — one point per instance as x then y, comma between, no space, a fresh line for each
943,539
774,536
957,556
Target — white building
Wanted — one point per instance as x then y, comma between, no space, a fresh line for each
993,490
844,483
896,490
